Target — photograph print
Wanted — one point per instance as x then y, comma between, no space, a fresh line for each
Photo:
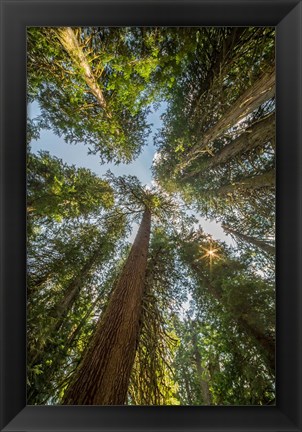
151,216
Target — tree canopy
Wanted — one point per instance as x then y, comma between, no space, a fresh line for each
171,315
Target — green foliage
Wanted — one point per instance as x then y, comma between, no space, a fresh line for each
67,106
134,198
228,300
152,380
228,62
63,255
207,328
55,190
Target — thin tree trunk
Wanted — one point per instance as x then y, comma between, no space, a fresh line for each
103,375
261,244
187,386
204,386
62,308
34,395
261,91
60,311
70,43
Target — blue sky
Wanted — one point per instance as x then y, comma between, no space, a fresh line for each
78,155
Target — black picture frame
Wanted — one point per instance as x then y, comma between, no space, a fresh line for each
16,15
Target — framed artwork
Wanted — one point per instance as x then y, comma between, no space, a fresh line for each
124,306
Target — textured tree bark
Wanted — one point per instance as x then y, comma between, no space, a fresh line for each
261,91
265,180
71,45
261,244
258,134
103,375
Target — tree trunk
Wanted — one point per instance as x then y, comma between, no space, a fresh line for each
70,43
204,386
62,308
264,180
103,375
261,91
187,386
264,342
219,61
258,134
34,394
60,311
261,244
